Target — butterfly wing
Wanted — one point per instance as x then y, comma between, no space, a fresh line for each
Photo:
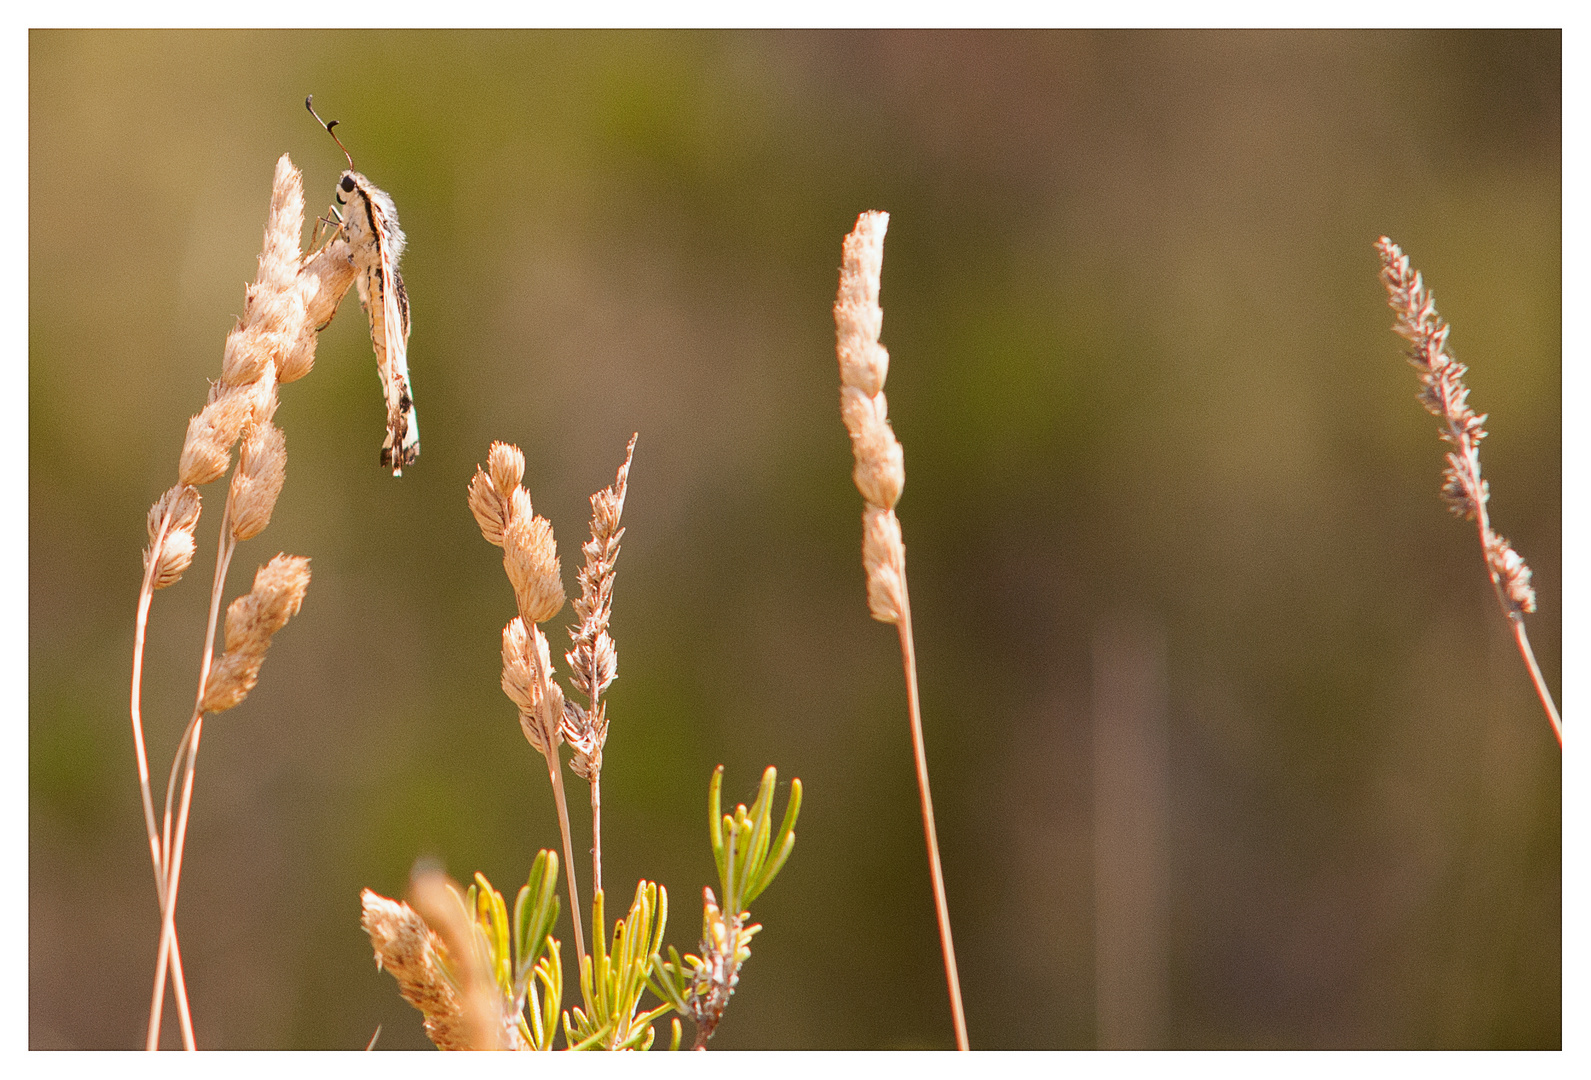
402,445
377,233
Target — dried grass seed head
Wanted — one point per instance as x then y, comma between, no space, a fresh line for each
490,509
519,679
412,952
527,680
251,621
880,472
530,558
179,509
207,450
884,560
586,731
594,659
858,319
262,468
280,258
440,902
507,465
1513,576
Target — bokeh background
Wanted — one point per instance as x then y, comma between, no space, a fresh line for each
1161,449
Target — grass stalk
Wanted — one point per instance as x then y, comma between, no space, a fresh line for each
947,946
187,757
1445,396
880,474
273,342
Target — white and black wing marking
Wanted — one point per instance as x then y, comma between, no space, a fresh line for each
376,243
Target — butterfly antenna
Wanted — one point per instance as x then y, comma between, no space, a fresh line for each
309,103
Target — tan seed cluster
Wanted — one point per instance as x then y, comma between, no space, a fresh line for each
528,682
172,553
880,471
274,342
251,621
485,1020
257,481
1445,395
530,559
409,949
530,554
594,660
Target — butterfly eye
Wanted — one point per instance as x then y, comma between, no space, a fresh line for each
348,183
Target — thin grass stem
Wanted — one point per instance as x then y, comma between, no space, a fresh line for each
596,832
1517,621
920,753
556,774
174,845
146,595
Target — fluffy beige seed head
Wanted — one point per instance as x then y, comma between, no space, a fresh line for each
519,681
880,471
251,621
321,284
530,558
884,560
485,1022
179,508
262,467
248,350
489,508
413,953
507,465
207,451
858,319
279,261
176,555
543,725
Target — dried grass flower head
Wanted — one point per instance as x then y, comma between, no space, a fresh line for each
880,472
503,511
1445,396
258,479
251,621
594,659
171,552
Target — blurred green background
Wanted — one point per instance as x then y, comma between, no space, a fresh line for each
1142,371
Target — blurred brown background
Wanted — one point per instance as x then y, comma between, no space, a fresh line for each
1165,470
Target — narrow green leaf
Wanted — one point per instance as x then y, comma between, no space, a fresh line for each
715,825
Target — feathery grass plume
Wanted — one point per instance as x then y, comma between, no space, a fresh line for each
273,342
594,660
1444,395
880,474
502,509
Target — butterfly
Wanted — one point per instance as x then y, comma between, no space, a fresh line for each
369,222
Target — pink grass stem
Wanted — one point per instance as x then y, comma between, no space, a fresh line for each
941,908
